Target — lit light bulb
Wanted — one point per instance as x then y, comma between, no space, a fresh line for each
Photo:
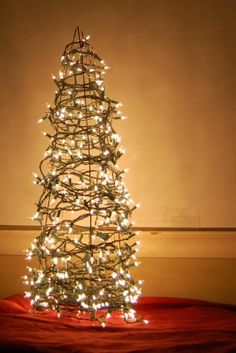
61,74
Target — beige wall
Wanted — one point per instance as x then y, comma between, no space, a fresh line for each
176,264
173,67
199,278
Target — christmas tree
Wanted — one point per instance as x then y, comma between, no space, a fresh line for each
86,246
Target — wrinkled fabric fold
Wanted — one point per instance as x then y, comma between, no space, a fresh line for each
176,325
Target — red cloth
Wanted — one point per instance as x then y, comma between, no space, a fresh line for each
175,326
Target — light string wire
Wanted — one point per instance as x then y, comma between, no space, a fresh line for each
86,246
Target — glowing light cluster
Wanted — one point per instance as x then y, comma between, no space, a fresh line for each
85,249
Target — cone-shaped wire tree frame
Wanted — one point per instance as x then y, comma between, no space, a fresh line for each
86,246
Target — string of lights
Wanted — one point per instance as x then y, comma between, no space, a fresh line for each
86,247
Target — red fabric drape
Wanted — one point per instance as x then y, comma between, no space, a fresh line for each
175,326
